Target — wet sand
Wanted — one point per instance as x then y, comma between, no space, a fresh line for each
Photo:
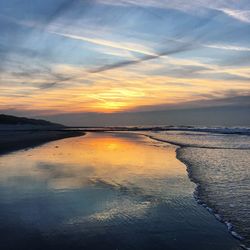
103,191
11,140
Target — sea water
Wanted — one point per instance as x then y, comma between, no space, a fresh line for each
103,191
220,166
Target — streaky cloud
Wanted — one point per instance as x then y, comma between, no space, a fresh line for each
228,7
60,10
241,15
228,47
179,49
104,43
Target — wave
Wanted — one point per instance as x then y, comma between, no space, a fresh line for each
219,130
156,128
193,145
201,201
225,149
201,139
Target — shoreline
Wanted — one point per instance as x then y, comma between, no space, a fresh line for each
196,193
201,202
11,140
166,212
35,138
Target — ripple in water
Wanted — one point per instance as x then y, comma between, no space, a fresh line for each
224,178
222,174
103,191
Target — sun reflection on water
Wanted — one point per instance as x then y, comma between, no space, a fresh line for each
128,164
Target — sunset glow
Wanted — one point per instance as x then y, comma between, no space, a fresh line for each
137,55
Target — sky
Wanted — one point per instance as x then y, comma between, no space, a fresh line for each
72,60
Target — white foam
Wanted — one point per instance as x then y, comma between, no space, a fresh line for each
244,247
229,225
236,235
218,217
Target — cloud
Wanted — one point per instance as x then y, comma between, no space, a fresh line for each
230,98
196,7
39,76
241,15
133,47
48,85
179,49
59,10
75,55
227,47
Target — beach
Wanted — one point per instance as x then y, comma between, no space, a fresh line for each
125,125
12,139
103,191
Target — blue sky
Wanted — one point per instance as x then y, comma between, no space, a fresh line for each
77,56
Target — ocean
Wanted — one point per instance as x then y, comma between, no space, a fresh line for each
219,164
124,190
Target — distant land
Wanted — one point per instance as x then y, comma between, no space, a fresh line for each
19,132
14,120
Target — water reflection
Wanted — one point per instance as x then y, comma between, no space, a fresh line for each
114,191
94,159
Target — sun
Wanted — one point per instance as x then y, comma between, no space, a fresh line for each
110,106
